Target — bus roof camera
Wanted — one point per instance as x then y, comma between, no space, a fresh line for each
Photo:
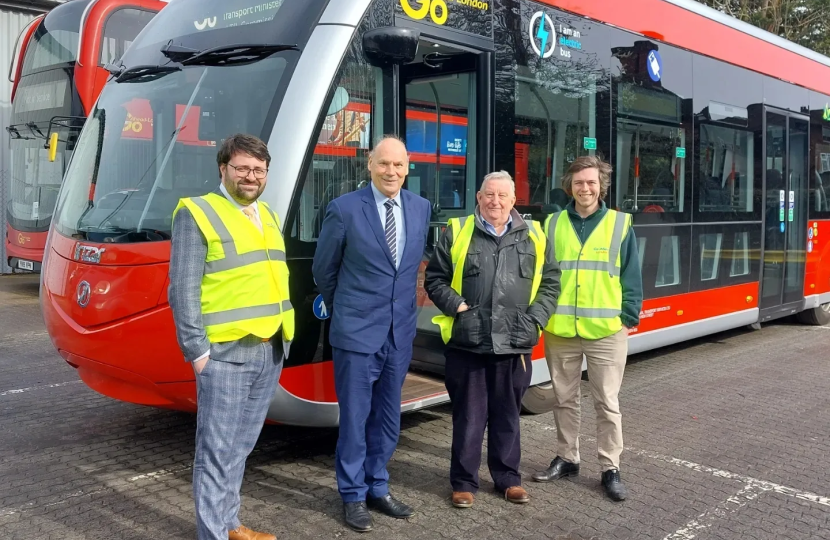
390,45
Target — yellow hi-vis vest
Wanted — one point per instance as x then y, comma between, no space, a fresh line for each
245,281
590,299
462,234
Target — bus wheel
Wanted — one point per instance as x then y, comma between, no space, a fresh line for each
819,316
538,399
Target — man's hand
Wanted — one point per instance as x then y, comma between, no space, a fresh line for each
627,329
199,365
463,307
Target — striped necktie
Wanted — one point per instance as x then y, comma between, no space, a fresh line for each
391,235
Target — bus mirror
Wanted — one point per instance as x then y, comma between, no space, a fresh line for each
390,45
53,146
339,101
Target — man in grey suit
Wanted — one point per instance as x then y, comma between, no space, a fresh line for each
229,297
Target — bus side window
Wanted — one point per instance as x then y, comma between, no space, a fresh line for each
121,29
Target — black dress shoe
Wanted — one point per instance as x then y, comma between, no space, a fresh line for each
357,516
559,468
614,487
390,506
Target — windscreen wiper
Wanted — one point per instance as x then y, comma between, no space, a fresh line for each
14,133
224,55
136,72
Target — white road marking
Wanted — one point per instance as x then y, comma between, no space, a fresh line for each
280,488
761,484
160,473
22,390
705,520
752,489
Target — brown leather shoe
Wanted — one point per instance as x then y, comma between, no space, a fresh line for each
517,494
462,499
244,533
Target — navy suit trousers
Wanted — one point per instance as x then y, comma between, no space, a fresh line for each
369,393
486,390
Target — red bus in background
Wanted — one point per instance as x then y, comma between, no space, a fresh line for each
57,74
718,133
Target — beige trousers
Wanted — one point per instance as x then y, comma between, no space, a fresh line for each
606,363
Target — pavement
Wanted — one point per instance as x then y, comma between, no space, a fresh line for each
725,437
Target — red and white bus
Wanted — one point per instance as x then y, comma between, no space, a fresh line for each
719,158
57,73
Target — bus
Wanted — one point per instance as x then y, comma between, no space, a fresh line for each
718,132
57,73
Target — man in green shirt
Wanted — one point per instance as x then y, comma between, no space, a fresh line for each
600,300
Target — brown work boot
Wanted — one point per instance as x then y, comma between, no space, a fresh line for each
517,494
462,499
244,533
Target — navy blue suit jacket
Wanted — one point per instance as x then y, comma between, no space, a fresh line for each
355,273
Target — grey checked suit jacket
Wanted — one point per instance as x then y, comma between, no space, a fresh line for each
187,265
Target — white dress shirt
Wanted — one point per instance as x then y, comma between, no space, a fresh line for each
397,213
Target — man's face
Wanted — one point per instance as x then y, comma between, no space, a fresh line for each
585,187
388,167
495,201
244,177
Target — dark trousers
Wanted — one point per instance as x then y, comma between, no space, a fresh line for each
485,391
369,393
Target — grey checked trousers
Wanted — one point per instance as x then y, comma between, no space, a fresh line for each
233,393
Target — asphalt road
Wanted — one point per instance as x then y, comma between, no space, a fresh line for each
726,437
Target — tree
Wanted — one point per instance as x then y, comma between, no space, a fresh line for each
801,21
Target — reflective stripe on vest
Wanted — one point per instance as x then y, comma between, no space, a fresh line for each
245,282
462,235
590,301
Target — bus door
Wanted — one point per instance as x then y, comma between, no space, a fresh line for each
442,113
785,155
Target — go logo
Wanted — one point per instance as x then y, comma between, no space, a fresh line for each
135,127
426,6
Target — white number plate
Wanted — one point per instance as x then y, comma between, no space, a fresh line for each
26,265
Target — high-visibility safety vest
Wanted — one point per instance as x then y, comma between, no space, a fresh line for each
462,234
590,297
245,281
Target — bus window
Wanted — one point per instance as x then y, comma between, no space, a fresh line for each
436,138
740,255
121,29
710,247
651,175
340,160
55,41
641,250
725,171
560,96
653,128
668,266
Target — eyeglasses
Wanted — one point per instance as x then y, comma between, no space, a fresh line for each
243,172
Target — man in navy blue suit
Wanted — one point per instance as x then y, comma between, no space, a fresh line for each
366,267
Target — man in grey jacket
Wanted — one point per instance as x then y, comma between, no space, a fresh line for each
496,296
228,326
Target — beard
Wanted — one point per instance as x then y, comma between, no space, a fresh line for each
244,196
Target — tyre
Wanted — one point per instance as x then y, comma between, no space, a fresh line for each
538,399
819,316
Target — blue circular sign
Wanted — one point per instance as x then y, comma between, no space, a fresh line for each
321,310
655,66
